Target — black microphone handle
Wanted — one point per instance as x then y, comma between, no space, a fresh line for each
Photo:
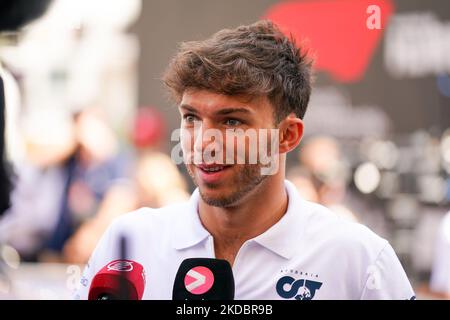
123,256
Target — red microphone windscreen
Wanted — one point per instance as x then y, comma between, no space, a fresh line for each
119,279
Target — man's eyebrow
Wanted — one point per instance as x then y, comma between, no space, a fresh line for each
220,112
226,111
188,108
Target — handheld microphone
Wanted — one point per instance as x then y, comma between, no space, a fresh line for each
118,280
14,14
204,279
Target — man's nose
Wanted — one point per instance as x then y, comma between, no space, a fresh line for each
207,136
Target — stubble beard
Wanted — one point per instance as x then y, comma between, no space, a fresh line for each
244,182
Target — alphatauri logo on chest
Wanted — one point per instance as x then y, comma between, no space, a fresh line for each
298,285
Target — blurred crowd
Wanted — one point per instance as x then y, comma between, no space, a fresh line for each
67,192
400,189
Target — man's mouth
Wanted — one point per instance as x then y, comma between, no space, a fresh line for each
213,173
212,168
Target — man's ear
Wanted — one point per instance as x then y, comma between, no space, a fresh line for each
291,133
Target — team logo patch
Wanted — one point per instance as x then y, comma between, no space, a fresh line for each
299,289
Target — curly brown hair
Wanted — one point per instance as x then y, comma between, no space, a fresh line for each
253,60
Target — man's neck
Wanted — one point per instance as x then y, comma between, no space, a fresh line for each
255,214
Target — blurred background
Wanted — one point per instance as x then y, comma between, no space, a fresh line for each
88,124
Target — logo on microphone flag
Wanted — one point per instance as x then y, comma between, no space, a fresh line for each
199,280
120,265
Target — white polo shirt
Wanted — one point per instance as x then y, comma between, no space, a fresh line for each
310,253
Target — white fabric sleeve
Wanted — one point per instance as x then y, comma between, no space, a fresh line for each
386,279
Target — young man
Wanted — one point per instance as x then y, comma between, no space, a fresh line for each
253,80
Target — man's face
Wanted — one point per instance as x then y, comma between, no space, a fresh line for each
224,172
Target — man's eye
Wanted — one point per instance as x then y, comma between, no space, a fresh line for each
233,122
189,118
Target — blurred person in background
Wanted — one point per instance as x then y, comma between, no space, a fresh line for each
154,181
303,181
158,181
326,171
70,168
97,168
